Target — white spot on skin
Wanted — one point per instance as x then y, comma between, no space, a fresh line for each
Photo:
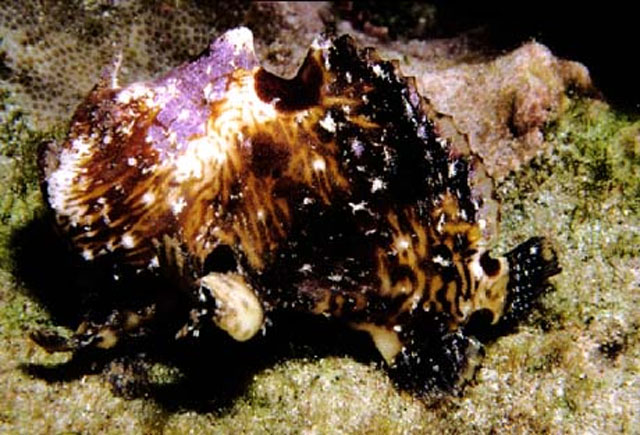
319,164
441,261
178,206
109,246
260,214
305,268
328,123
154,263
126,128
87,254
387,156
299,117
335,277
377,184
408,109
172,137
403,243
148,169
452,170
105,216
475,268
476,203
361,206
131,161
184,114
320,43
135,91
325,60
482,223
128,242
148,198
202,297
208,91
421,132
441,221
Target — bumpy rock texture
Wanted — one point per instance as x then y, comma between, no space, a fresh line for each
52,53
574,366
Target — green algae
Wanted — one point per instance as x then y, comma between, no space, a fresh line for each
20,197
584,197
602,147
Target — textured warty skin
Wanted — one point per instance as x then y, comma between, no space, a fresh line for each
338,192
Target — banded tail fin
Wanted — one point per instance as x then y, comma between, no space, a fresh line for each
531,264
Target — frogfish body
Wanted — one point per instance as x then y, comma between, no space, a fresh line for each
338,192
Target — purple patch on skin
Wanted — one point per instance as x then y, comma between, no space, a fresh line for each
186,93
357,148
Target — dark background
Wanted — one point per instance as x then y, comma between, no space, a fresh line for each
602,36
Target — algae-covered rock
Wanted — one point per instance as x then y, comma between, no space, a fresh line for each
573,366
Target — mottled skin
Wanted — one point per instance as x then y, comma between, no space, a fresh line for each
337,192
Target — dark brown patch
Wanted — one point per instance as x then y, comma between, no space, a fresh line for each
401,272
221,259
441,296
490,266
268,157
298,93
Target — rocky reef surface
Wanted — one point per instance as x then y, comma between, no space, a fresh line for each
566,164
